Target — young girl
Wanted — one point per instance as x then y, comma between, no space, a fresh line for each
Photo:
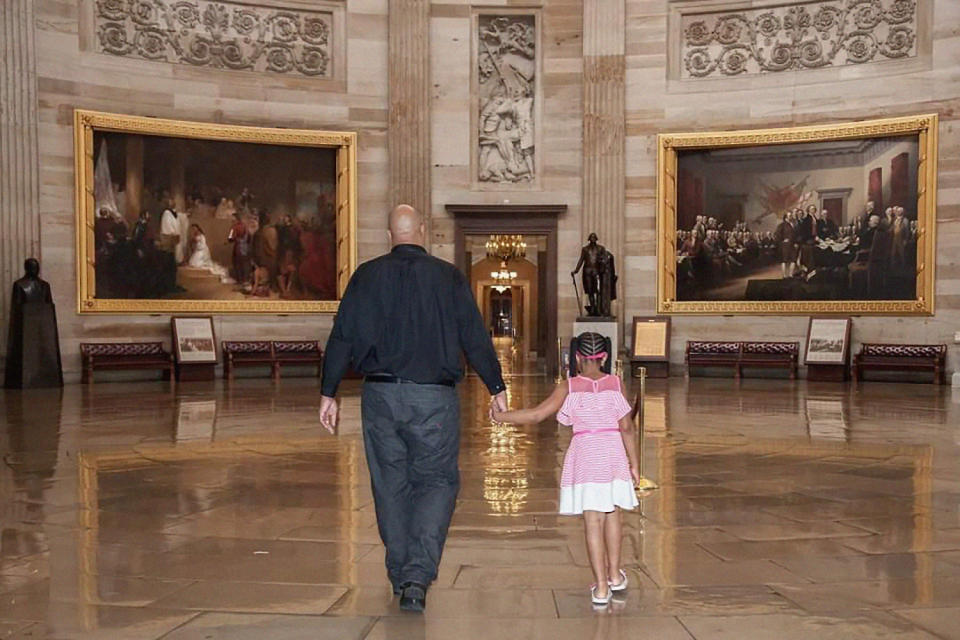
601,464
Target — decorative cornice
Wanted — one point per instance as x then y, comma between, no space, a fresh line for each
222,35
796,36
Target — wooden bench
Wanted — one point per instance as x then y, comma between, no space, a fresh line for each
712,354
770,355
270,353
298,352
247,353
737,355
124,355
901,357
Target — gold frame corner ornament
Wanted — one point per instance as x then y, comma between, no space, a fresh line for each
924,126
85,122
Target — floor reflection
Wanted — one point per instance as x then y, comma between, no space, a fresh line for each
133,511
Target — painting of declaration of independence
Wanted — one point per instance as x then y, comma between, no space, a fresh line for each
229,224
822,222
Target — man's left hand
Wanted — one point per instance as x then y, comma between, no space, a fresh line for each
329,412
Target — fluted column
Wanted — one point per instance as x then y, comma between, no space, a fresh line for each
408,136
19,165
603,123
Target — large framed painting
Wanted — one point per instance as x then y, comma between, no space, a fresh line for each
177,216
833,219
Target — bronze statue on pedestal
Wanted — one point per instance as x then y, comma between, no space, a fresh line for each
599,279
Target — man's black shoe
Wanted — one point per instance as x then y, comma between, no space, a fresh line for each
398,588
414,597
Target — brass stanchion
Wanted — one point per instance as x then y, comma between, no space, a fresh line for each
645,483
560,363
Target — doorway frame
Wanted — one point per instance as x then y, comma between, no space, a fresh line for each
525,219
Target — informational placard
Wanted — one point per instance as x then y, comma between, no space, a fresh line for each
828,340
193,340
651,339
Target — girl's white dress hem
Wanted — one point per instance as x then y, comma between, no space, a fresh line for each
597,496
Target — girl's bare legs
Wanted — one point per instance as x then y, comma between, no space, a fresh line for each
613,534
593,524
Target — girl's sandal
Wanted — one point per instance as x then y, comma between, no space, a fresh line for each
597,599
622,585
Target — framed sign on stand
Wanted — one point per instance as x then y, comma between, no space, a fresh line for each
650,346
827,355
194,348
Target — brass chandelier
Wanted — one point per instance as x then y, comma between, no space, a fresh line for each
503,278
506,247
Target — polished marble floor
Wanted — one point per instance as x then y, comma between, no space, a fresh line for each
786,510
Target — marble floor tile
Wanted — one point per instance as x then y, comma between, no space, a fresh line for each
943,621
794,626
71,621
253,597
604,625
800,530
870,567
489,604
920,591
711,572
777,549
239,626
677,601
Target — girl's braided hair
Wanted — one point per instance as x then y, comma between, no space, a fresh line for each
590,345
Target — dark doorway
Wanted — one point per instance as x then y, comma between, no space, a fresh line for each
471,219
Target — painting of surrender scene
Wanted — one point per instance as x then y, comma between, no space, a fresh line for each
831,221
184,220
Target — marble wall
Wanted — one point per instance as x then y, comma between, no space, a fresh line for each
577,58
658,103
73,72
559,126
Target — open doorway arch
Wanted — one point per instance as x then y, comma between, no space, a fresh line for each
488,219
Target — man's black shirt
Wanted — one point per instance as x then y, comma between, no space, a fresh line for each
409,315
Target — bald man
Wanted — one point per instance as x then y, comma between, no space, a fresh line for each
404,321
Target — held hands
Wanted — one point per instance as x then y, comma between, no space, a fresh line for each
329,412
498,406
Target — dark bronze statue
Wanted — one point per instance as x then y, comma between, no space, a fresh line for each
33,345
599,278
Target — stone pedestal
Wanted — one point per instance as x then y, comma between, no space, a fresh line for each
33,349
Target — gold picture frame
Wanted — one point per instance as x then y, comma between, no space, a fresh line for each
671,146
344,206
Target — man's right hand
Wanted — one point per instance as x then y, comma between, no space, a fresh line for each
499,401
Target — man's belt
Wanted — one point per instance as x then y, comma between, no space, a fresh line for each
387,378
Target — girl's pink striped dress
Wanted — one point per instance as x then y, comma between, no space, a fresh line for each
596,471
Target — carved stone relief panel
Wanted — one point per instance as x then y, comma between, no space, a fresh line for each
222,35
506,99
719,41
